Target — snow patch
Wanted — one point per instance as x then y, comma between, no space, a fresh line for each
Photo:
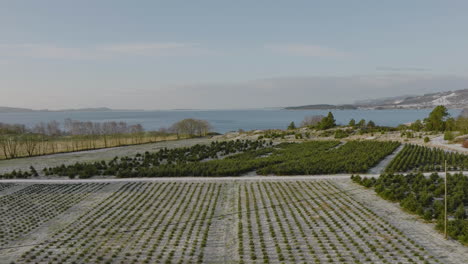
443,100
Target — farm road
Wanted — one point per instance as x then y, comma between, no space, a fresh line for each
384,163
201,179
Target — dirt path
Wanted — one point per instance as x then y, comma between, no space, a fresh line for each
41,162
384,163
202,179
221,244
186,179
439,142
449,251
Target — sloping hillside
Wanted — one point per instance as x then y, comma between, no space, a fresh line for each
451,99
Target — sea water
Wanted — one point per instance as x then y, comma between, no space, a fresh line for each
222,120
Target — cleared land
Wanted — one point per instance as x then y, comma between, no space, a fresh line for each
275,220
153,218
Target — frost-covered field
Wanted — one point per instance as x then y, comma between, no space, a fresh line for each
282,220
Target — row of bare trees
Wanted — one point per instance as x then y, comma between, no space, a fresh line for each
312,120
74,127
48,138
12,128
27,145
52,137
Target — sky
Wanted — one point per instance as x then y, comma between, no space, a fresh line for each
58,54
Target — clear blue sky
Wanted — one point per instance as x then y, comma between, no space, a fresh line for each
227,54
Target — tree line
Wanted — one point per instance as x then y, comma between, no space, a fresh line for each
72,127
439,120
53,137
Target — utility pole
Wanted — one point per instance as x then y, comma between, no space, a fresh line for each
445,226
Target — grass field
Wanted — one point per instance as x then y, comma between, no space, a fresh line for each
201,221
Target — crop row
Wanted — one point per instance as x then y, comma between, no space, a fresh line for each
316,222
425,159
4,186
424,196
313,157
25,210
140,223
354,156
130,166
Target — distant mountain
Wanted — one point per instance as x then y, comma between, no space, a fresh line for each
322,107
451,99
26,110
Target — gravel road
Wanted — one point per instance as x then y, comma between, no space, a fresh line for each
201,179
439,142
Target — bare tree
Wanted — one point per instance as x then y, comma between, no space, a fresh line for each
12,128
10,146
39,128
311,120
53,128
30,143
191,127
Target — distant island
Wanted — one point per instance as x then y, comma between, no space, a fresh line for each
322,107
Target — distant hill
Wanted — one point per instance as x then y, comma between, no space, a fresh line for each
322,107
383,101
451,99
4,109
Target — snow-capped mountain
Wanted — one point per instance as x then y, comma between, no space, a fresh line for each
451,99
